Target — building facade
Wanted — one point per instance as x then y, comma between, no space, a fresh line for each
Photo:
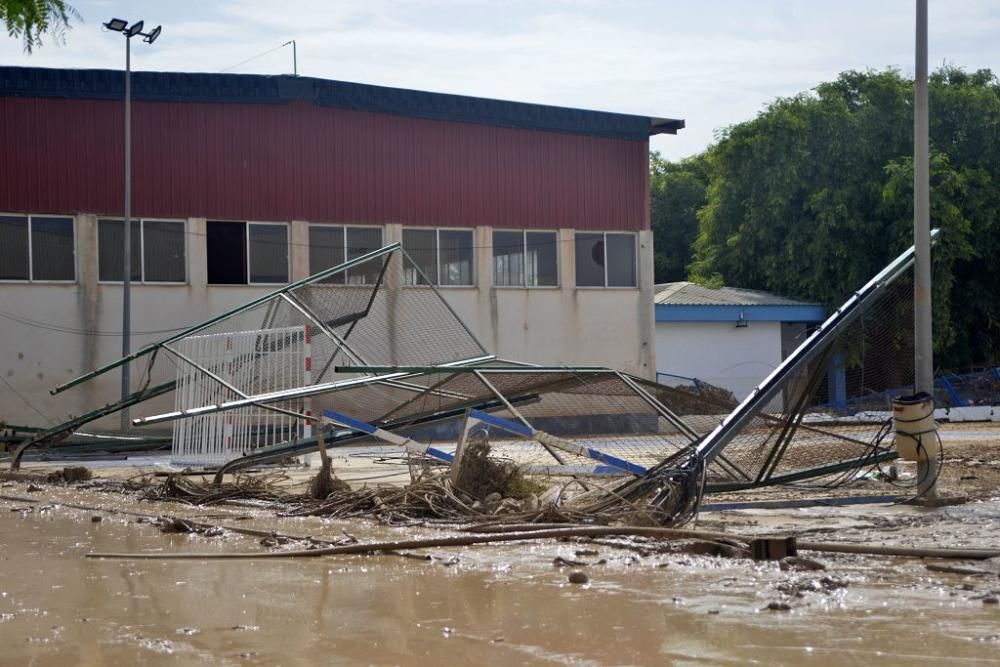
531,220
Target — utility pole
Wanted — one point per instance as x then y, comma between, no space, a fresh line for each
295,57
922,333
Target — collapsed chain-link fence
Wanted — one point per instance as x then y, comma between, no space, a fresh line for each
361,312
394,364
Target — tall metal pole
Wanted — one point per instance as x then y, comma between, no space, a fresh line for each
922,333
127,278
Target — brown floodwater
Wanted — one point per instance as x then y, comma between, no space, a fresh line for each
487,605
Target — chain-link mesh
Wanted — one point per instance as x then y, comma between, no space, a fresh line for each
355,315
831,412
603,411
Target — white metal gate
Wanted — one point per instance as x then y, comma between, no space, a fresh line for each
251,363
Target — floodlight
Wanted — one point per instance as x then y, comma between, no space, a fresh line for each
153,34
134,29
116,25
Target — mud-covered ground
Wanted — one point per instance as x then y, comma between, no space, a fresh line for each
504,604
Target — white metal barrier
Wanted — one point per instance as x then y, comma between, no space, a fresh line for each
250,362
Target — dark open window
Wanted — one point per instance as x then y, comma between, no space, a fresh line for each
226,244
240,253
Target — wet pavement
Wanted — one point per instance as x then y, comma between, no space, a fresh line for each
486,605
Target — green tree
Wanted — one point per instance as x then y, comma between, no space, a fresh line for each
677,192
28,20
814,195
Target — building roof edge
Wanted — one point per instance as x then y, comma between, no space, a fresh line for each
284,89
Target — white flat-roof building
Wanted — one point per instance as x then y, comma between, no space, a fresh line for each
728,337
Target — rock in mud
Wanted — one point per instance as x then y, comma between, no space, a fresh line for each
798,563
991,599
578,577
832,584
559,561
509,506
709,548
957,569
778,606
71,474
177,525
492,502
530,504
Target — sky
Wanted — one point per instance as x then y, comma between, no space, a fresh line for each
711,62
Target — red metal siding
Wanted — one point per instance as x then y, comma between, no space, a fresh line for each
304,162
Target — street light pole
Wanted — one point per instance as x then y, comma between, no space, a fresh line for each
127,279
129,31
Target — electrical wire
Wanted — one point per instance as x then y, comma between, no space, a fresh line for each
26,401
252,58
83,332
289,243
844,478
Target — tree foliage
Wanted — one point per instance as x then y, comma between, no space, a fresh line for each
28,20
814,195
677,193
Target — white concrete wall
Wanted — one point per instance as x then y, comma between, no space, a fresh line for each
564,325
736,358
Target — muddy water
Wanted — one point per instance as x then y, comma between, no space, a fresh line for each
503,605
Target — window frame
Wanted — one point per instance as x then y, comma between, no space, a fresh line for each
604,240
142,252
437,256
344,227
31,259
288,251
524,252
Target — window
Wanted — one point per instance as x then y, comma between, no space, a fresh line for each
330,245
438,256
268,253
158,253
241,253
605,260
37,247
525,259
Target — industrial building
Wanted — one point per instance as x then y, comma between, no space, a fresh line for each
531,220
